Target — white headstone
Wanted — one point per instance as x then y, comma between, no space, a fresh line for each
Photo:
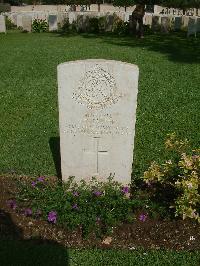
72,17
27,23
19,21
53,23
192,26
185,21
147,19
97,113
127,16
2,24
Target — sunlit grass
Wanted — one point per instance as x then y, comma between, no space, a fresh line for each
168,98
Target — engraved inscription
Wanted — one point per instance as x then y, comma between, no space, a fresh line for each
97,124
97,89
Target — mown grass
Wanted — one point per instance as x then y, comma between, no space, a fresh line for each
168,98
29,252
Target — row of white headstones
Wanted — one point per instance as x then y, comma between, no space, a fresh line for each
192,24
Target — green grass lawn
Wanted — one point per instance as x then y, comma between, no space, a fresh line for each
168,98
27,253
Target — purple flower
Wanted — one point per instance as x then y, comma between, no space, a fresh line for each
28,212
33,184
52,216
12,204
75,206
97,193
143,217
75,193
41,179
125,190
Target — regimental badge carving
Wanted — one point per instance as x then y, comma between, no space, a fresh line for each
97,89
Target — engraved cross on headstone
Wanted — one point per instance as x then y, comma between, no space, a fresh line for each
98,152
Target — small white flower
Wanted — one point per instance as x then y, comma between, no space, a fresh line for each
192,238
189,185
132,248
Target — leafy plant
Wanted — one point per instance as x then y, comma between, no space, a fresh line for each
119,26
96,206
40,25
93,25
101,23
9,24
179,180
65,28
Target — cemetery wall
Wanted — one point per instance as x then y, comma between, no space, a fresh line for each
104,8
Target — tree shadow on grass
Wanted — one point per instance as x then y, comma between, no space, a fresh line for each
175,45
14,250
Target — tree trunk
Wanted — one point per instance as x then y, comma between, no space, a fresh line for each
125,8
137,20
98,7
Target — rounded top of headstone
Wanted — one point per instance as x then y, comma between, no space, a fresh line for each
102,61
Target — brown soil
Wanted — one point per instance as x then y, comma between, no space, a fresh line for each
151,234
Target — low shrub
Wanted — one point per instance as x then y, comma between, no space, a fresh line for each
96,206
93,25
66,27
40,25
102,23
119,26
177,182
9,24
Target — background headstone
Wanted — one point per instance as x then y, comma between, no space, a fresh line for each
155,23
177,23
27,23
2,24
185,21
19,21
72,17
97,113
192,26
165,24
109,22
198,24
148,20
53,23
